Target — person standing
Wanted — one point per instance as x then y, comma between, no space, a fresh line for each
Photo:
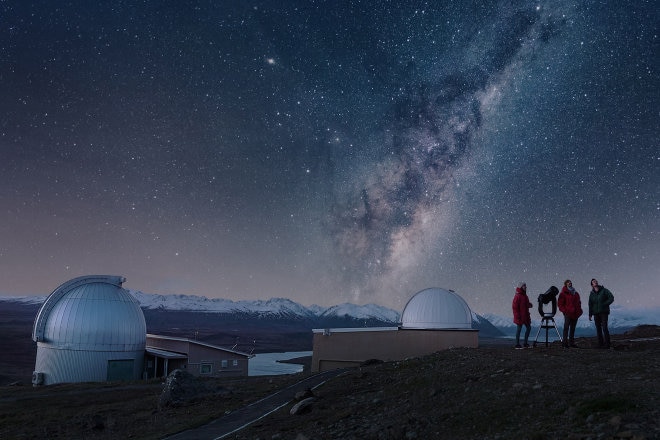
521,306
570,305
599,307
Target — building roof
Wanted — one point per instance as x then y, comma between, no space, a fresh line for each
91,313
436,308
165,354
354,330
195,342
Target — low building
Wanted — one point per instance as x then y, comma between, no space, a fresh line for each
167,353
434,319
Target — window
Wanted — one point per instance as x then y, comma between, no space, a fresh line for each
205,368
224,363
234,363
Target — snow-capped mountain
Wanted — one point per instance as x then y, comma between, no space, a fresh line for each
283,308
193,303
36,300
272,307
367,311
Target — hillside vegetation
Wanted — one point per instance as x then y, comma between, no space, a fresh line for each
492,392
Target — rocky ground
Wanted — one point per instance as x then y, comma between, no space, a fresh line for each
493,392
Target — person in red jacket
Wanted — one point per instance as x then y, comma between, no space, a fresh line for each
570,305
521,306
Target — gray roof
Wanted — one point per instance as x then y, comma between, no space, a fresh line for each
165,354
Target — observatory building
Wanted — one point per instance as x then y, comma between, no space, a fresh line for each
433,319
89,329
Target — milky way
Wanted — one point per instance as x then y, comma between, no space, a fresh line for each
331,151
401,208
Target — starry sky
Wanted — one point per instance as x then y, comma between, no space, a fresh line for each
331,151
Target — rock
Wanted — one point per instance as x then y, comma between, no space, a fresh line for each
302,395
615,420
181,386
302,407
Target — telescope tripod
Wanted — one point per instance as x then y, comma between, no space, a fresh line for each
547,322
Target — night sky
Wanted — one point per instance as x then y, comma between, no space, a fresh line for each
331,151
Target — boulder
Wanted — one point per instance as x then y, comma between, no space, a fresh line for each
303,406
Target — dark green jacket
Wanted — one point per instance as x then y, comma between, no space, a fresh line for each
599,302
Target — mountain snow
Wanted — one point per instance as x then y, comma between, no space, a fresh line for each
619,318
366,311
273,306
193,303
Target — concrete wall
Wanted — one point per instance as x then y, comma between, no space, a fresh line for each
350,347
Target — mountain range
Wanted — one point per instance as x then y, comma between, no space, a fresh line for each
346,314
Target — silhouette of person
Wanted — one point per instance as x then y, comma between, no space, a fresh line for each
599,307
570,305
521,306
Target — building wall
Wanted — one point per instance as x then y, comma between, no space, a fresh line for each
204,360
207,361
347,348
58,365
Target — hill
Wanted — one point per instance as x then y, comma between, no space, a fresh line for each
492,392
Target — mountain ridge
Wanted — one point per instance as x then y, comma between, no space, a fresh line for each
347,313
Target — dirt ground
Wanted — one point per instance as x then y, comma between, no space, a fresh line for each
492,392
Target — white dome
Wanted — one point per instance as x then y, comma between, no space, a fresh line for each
91,313
436,308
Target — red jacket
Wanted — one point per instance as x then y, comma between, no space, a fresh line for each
569,303
521,306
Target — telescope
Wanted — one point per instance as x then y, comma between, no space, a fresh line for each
548,318
549,296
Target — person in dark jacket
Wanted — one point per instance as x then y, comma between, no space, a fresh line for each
599,307
570,305
521,306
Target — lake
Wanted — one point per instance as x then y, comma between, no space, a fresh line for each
265,364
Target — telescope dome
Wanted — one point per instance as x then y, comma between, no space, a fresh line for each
94,313
89,329
436,308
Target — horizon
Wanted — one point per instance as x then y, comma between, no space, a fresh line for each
653,313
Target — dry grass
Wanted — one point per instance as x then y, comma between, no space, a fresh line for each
486,393
112,411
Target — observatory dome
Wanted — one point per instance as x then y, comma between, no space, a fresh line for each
89,329
436,308
91,313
